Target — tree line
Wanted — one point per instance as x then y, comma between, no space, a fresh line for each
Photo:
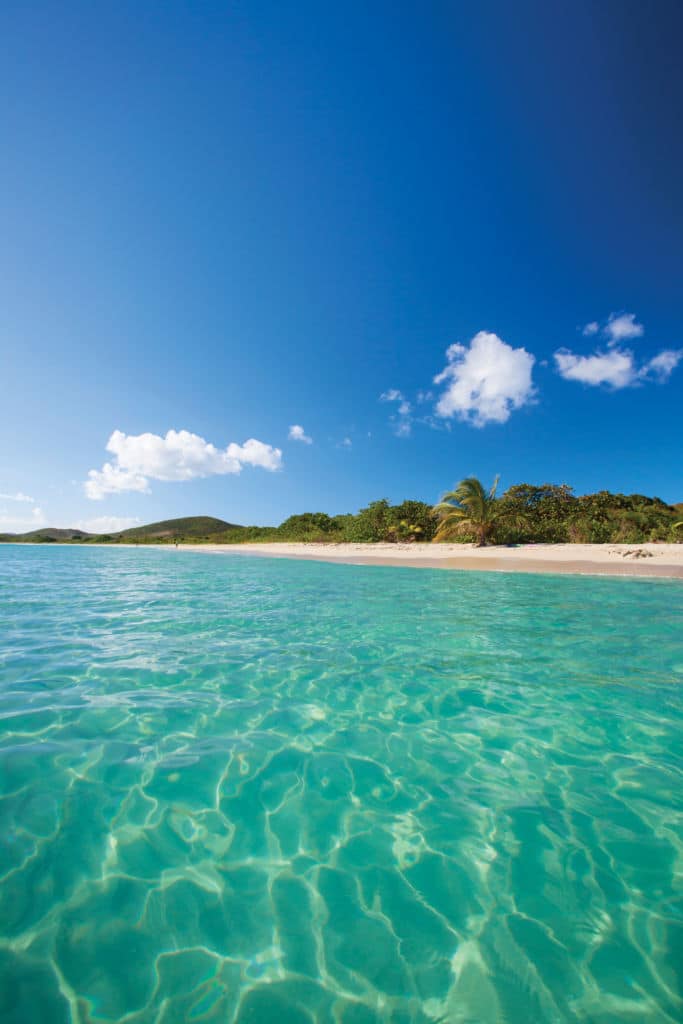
470,513
525,513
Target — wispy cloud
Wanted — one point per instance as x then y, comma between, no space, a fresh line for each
622,327
616,328
402,420
663,365
485,381
106,524
10,523
179,455
297,433
17,496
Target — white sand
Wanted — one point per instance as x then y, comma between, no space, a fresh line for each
601,559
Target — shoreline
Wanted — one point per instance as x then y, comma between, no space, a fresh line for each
642,560
650,560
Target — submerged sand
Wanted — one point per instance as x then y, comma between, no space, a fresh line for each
591,559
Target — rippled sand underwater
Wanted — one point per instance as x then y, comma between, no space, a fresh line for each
272,791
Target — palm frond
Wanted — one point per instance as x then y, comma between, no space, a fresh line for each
468,508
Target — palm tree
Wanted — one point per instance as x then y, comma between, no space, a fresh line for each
469,509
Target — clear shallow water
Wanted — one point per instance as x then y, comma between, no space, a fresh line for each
258,790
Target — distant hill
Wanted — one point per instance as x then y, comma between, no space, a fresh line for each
47,534
187,528
192,526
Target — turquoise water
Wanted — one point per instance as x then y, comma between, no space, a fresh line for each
256,790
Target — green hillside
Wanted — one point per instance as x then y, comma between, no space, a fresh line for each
46,535
192,526
189,528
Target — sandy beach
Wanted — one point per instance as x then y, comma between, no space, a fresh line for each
581,559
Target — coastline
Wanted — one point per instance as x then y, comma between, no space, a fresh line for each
654,560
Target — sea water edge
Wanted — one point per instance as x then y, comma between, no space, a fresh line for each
254,789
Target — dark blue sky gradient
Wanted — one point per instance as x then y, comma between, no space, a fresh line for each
229,218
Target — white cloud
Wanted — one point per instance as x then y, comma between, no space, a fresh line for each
346,443
402,422
21,524
621,327
617,328
37,518
618,366
424,396
485,382
180,455
662,366
106,524
297,433
17,496
113,479
615,367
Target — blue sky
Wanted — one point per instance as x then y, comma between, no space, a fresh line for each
225,220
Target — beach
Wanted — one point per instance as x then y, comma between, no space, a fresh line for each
664,560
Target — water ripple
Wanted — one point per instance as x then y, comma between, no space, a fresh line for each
248,790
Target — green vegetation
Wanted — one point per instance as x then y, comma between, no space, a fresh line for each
525,513
553,514
47,535
469,511
190,528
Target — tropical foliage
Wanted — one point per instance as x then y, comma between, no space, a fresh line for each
525,513
469,512
553,514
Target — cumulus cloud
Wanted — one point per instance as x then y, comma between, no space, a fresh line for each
297,433
112,479
17,496
617,366
621,327
592,328
485,381
402,420
345,443
179,455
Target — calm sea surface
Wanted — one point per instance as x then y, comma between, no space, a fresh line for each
254,790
